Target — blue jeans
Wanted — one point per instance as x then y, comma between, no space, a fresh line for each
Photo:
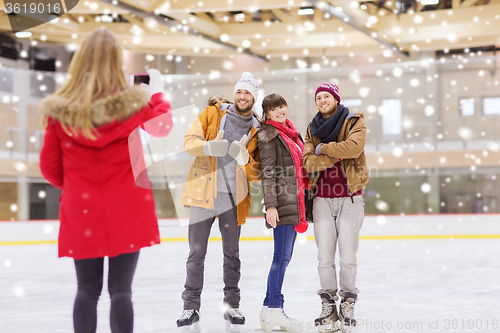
284,239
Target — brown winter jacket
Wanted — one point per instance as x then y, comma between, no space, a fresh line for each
201,184
349,150
279,180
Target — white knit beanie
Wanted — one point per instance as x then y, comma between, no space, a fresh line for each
247,82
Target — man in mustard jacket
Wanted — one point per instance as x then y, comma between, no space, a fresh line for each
224,142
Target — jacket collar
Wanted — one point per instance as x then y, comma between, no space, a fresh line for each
117,106
267,133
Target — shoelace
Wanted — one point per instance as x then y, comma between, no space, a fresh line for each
347,309
284,314
235,312
326,309
186,314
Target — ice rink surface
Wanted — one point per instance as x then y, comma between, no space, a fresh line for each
417,285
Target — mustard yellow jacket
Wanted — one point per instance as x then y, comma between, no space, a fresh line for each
201,184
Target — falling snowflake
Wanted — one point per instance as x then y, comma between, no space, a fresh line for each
381,220
425,188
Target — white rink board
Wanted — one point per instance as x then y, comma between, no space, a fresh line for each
373,226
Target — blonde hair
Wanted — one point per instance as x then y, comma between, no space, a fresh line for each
96,70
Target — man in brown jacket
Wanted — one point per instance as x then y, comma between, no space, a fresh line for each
334,157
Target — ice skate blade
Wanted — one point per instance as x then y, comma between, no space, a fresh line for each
233,327
194,328
284,329
330,327
346,328
327,330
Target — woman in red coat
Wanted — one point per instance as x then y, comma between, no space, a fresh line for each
86,154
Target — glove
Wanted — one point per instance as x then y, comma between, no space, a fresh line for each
238,151
318,149
216,147
302,227
156,82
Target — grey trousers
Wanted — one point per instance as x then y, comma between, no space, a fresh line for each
338,221
200,223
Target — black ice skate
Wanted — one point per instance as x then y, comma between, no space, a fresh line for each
189,321
234,320
346,315
328,319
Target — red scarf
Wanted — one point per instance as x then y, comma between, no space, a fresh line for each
290,135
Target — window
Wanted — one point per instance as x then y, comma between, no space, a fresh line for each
352,102
467,107
6,81
391,116
491,106
258,103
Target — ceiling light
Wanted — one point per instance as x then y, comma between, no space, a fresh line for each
429,2
305,11
239,17
23,34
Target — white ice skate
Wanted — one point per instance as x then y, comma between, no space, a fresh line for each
262,317
189,322
277,317
234,320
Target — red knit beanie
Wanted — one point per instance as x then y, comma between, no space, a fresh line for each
328,87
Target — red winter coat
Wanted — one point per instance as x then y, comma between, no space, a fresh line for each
103,212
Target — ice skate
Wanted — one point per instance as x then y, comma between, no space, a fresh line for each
189,322
328,319
234,320
262,317
277,317
346,315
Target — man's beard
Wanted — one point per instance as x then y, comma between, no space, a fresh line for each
245,110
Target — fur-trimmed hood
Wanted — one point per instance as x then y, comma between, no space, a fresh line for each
266,133
118,106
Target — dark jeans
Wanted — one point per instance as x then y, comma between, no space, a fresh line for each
89,274
284,240
200,223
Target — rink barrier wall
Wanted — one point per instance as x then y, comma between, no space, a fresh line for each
309,238
375,227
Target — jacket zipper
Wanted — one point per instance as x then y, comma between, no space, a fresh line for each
343,170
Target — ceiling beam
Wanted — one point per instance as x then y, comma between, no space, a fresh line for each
331,40
436,18
468,3
161,19
356,13
281,15
349,20
213,6
451,32
198,23
280,29
102,7
461,43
